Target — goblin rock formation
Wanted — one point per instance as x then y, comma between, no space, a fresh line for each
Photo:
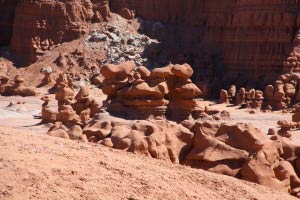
48,115
159,139
16,88
247,52
72,110
245,152
132,93
283,94
47,80
182,92
247,99
139,93
141,104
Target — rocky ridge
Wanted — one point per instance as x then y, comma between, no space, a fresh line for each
138,120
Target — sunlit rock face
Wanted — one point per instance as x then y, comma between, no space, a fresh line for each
241,41
33,27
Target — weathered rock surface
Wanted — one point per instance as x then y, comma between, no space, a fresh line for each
16,88
244,151
159,139
65,21
163,93
249,38
7,10
120,44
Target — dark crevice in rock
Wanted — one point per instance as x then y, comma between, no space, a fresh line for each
7,10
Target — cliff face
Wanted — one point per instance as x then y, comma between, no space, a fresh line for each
7,10
40,25
243,41
245,38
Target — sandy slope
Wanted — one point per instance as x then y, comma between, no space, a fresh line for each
36,166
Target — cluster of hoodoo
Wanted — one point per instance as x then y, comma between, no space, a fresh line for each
247,99
284,94
15,87
73,110
138,93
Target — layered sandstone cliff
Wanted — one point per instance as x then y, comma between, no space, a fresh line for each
7,10
243,42
247,39
40,25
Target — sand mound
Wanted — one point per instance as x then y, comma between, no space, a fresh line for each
52,168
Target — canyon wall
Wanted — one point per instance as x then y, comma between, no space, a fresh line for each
7,10
40,25
247,39
243,42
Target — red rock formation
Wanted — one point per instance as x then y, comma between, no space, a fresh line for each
165,91
159,139
48,115
250,38
182,92
85,103
40,25
130,95
213,155
7,10
17,88
244,151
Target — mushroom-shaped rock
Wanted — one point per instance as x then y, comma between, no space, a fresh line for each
68,116
232,91
64,94
289,90
83,93
240,97
47,71
269,92
121,71
18,88
162,72
184,71
186,89
224,98
48,115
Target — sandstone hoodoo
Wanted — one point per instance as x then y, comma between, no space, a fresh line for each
72,109
16,88
282,95
143,102
138,93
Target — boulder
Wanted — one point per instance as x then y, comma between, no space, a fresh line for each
184,71
120,72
